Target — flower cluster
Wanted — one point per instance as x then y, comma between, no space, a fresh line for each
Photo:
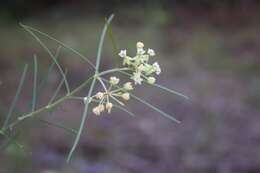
140,70
119,95
139,64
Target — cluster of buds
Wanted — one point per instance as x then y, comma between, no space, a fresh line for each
114,93
139,64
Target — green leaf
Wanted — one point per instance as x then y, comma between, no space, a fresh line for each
155,108
150,105
59,125
56,92
85,113
50,53
34,97
161,87
60,43
114,45
50,68
17,94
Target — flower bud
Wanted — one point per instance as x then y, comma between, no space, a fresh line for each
125,96
101,108
128,86
139,44
109,106
151,80
99,95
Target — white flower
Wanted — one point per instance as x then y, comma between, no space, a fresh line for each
114,80
151,52
157,68
109,106
137,78
128,86
151,80
139,45
99,95
125,96
122,53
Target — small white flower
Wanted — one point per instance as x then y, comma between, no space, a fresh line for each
128,86
157,68
125,96
151,80
109,106
151,52
99,95
139,45
122,53
137,78
114,80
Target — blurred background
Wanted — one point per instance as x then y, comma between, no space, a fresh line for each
208,49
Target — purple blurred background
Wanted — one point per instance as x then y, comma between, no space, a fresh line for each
208,50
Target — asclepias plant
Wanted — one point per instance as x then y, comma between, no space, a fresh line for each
142,68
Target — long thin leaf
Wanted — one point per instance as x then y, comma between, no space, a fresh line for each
60,43
161,87
155,108
51,55
56,92
101,42
17,94
50,69
34,97
150,105
59,125
11,140
85,113
82,123
115,46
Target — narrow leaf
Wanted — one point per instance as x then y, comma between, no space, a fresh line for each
60,43
56,92
85,113
51,55
34,97
17,94
155,108
115,46
50,69
150,105
101,42
161,87
59,125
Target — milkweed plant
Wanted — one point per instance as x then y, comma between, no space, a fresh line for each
140,69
